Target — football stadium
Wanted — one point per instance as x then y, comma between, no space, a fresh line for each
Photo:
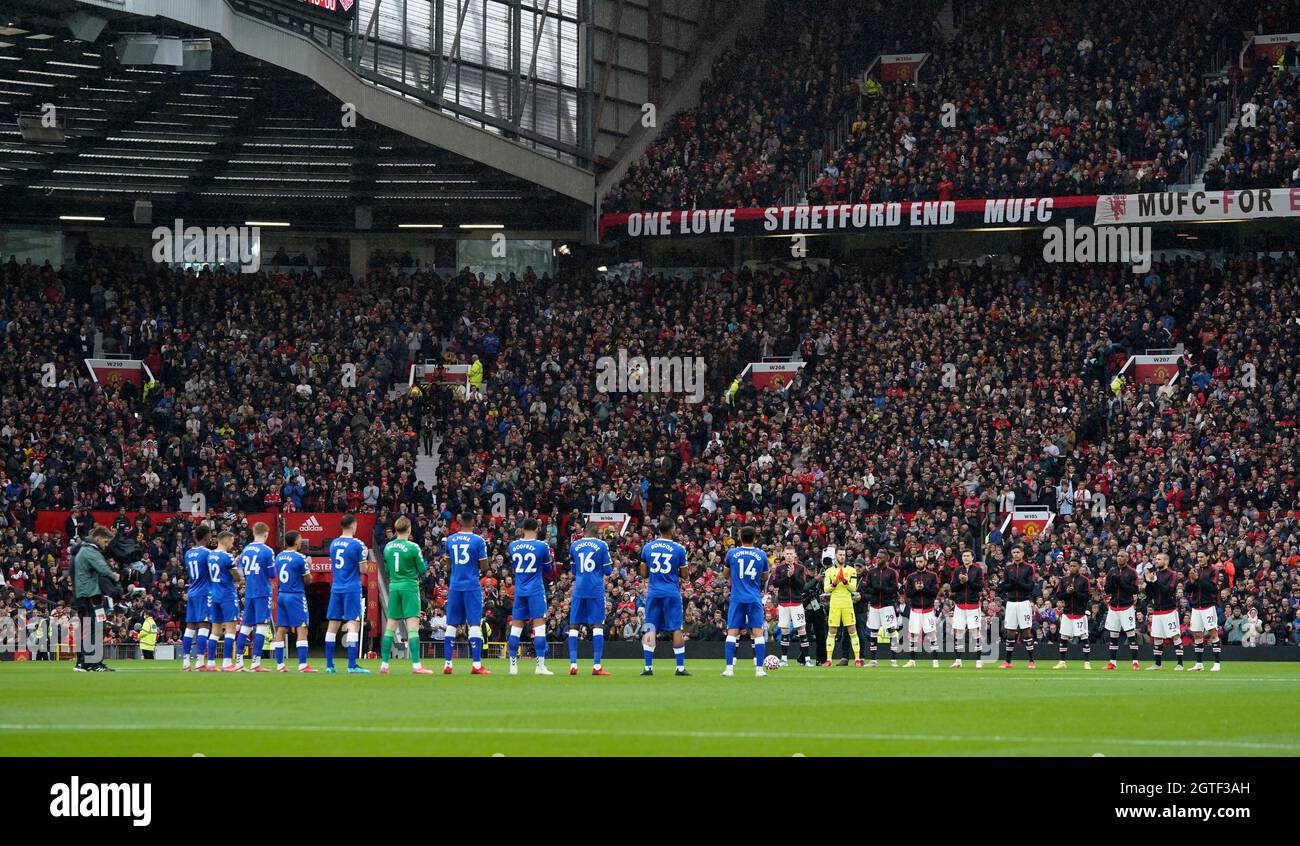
650,378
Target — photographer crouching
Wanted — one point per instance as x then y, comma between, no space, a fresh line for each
92,579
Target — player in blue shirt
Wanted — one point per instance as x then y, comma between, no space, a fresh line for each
663,564
197,599
293,574
530,559
747,569
349,558
589,558
467,554
225,578
256,562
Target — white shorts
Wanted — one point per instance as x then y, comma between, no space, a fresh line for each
1205,620
921,622
1020,615
882,618
1074,626
790,616
966,619
1164,624
1121,621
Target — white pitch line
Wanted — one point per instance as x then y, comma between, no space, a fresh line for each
666,733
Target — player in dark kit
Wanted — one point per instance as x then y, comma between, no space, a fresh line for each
1121,588
1075,592
1018,579
788,579
879,584
1204,582
1162,594
921,587
966,586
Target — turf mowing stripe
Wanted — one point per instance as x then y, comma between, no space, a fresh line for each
751,735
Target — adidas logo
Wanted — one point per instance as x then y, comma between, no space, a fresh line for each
311,524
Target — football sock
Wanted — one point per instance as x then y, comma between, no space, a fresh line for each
1178,653
1216,651
872,643
649,657
476,645
679,655
539,643
330,638
302,652
386,647
352,642
278,646
413,644
1158,652
760,650
856,644
597,644
1199,649
512,642
227,649
187,644
830,647
573,646
731,650
241,641
259,643
1112,644
212,649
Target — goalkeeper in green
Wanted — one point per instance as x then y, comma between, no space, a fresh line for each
404,565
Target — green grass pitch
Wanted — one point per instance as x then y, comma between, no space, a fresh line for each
155,709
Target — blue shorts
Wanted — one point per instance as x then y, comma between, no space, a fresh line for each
257,610
587,611
528,608
663,613
291,610
344,606
464,607
745,615
198,608
224,609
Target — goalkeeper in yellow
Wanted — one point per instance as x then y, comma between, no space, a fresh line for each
404,564
840,584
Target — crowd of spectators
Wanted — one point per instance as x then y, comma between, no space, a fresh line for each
1088,98
885,457
1264,155
931,402
771,99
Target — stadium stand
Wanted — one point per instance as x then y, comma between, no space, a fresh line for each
890,460
1092,98
771,100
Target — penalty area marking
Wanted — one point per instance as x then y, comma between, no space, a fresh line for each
666,733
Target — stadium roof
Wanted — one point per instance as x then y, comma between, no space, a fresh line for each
244,140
